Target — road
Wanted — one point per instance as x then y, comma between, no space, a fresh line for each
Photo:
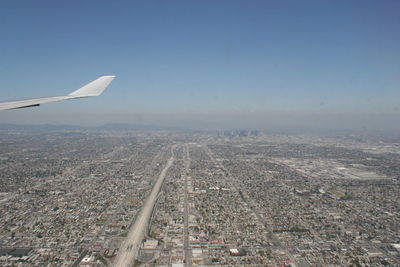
188,251
129,248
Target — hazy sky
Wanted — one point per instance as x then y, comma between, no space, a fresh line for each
201,57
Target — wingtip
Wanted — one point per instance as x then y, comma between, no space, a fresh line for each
94,88
109,76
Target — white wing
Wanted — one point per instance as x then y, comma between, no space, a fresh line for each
94,88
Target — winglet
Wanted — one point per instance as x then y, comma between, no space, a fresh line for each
94,88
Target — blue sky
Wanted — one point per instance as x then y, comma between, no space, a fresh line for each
189,57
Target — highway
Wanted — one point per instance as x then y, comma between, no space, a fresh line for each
129,248
188,251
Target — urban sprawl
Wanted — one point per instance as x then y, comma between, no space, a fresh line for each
84,197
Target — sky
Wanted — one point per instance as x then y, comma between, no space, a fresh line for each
206,63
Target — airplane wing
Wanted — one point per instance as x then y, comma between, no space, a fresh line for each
94,88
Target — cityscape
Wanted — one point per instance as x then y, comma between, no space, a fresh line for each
223,133
109,197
